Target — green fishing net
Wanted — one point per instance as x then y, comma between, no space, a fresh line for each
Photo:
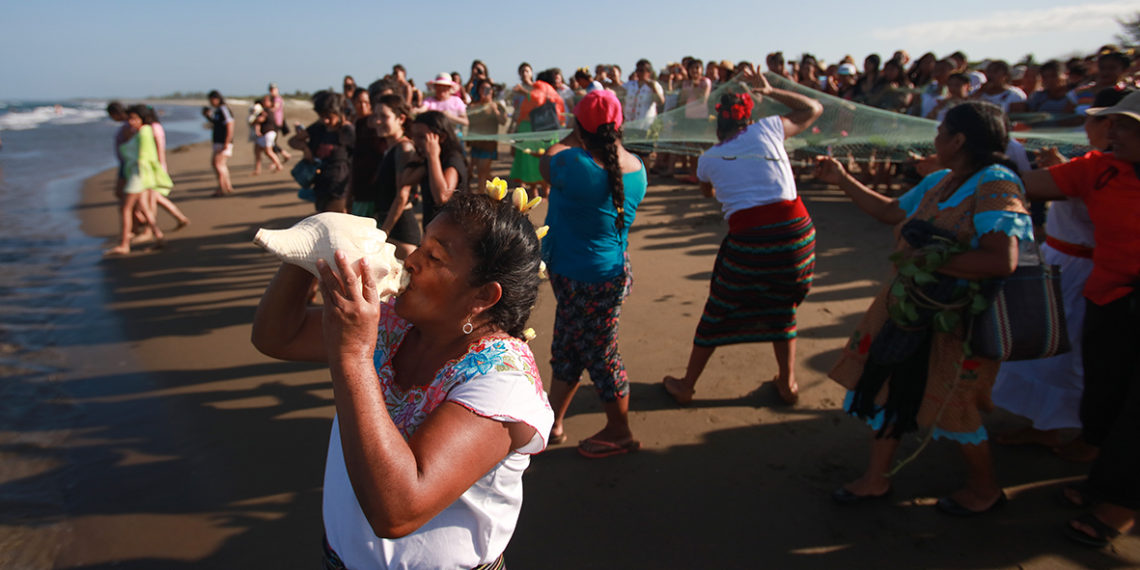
845,129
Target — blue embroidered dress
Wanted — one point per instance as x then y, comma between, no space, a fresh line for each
992,200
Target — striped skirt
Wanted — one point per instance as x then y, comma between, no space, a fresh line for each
762,273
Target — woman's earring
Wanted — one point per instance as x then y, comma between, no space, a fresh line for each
468,327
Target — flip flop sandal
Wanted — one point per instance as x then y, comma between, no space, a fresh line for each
606,448
556,439
1104,533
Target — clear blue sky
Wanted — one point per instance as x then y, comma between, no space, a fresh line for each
131,48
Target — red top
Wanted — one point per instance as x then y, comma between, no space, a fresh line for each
1111,190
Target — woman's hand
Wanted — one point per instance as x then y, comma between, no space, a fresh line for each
829,170
1050,156
757,81
352,309
431,145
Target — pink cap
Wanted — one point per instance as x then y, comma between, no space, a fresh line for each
597,108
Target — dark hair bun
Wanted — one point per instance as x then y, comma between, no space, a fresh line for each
506,250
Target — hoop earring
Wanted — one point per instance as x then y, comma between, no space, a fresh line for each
468,327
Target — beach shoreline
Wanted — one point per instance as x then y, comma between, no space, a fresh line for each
196,451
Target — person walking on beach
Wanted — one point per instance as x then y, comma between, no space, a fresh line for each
265,136
160,196
142,173
765,264
219,115
596,187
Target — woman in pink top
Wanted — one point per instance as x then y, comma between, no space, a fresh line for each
443,100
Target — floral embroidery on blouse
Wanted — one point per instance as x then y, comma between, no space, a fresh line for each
410,408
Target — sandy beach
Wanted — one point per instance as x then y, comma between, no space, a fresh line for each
193,450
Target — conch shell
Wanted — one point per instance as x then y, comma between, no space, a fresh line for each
321,235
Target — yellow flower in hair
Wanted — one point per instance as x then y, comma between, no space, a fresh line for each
541,232
529,334
542,270
497,188
519,198
533,202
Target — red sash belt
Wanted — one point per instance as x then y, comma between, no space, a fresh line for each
767,214
1067,248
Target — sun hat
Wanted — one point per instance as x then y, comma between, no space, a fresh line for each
1128,106
597,108
848,69
442,79
272,86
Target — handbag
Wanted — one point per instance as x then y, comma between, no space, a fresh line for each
305,171
544,117
1025,319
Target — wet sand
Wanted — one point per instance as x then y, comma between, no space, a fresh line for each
196,451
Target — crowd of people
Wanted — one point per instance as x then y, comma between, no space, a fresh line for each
438,397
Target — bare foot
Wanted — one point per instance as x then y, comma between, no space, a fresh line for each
181,224
789,393
144,237
117,251
681,391
972,501
863,487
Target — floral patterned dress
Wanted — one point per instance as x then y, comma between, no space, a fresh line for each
992,200
496,378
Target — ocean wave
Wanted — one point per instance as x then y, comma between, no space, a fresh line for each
17,119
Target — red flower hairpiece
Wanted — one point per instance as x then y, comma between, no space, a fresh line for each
740,109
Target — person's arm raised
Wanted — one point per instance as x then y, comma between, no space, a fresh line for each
880,207
400,485
443,180
284,326
804,109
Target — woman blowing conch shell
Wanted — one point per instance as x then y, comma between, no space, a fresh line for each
320,236
438,398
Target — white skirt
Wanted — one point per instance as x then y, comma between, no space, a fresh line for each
1048,391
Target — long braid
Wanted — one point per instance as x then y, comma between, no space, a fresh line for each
603,145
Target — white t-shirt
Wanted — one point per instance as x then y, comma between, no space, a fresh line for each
639,107
1005,98
496,379
750,170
